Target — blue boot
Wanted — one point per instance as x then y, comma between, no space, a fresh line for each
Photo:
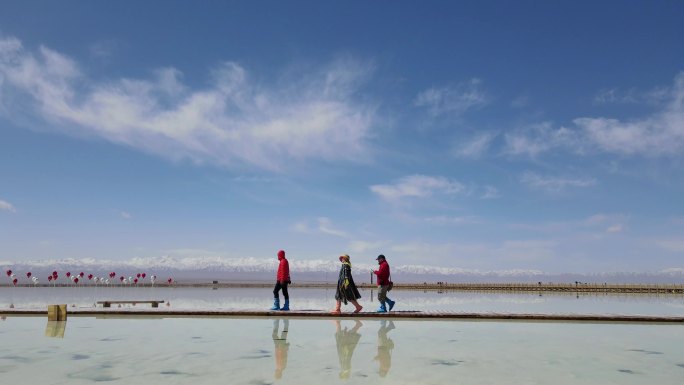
276,304
390,303
286,306
382,308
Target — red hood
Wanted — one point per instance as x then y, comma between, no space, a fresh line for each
281,255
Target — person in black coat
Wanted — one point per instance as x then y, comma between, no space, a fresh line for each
346,289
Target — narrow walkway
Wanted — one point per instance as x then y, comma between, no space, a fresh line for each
320,314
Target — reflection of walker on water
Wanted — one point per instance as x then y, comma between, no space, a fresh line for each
385,346
346,343
281,346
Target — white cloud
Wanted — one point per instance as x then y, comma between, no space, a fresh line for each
475,147
421,250
6,206
490,193
301,227
195,253
506,252
675,244
520,102
632,96
323,226
104,48
659,134
236,121
538,138
125,215
597,219
527,250
443,219
539,182
419,186
454,100
615,222
365,246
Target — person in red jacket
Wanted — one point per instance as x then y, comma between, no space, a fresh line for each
384,275
282,280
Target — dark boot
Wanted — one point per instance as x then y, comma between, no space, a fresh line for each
390,303
276,304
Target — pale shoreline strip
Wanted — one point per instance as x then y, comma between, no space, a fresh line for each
431,286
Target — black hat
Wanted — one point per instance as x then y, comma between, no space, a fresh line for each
380,257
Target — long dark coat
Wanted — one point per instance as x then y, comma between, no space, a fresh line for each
351,292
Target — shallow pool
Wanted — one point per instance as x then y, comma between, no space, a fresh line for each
297,351
322,299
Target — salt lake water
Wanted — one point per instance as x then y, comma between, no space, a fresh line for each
298,351
219,350
322,299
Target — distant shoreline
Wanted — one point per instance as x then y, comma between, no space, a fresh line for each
506,287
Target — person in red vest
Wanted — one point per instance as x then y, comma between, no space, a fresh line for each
282,280
384,281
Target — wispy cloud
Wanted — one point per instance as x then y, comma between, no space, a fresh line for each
656,135
475,147
490,192
454,100
505,252
631,96
125,215
674,244
660,134
418,186
537,139
454,220
554,184
323,226
520,102
104,48
607,223
237,121
359,247
194,253
6,206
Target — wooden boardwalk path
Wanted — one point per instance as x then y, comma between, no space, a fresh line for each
320,314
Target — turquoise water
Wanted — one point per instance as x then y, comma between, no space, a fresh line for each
322,299
258,351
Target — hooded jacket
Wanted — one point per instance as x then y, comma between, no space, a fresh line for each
383,273
283,269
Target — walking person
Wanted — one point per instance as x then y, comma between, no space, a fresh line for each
384,284
385,346
346,341
281,346
282,280
346,289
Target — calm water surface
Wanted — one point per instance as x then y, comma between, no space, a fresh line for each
322,299
298,351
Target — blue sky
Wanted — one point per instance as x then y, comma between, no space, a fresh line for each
496,136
